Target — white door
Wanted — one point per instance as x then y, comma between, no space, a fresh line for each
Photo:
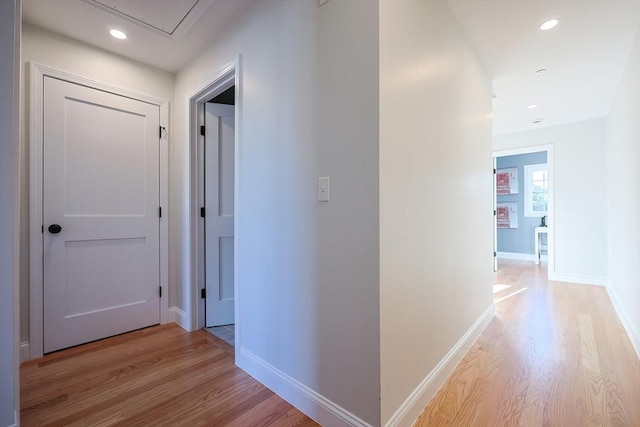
219,195
101,214
495,217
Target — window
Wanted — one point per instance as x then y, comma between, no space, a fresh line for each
536,190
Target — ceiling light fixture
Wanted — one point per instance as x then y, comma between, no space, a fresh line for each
540,71
549,24
532,106
118,34
536,121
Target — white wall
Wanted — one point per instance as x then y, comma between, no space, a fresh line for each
435,199
623,191
579,196
9,210
308,283
65,54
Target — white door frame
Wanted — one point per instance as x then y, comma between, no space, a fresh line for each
551,271
495,215
37,73
227,76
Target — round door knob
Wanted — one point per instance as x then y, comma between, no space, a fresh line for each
54,228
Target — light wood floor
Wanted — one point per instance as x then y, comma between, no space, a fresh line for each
554,355
159,376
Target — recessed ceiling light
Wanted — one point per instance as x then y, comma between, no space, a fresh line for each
549,24
532,106
536,121
118,34
540,71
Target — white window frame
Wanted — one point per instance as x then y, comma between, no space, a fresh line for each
528,189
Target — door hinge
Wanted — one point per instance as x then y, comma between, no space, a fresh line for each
160,291
202,130
43,229
202,212
495,213
160,211
203,293
494,171
495,254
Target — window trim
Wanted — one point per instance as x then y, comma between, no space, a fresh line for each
528,188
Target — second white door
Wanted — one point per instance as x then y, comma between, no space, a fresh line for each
219,214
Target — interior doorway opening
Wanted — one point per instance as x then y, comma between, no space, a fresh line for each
523,206
218,214
214,198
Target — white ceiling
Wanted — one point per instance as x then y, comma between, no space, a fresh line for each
164,33
164,16
584,55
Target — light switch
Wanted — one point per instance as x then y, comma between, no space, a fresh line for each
323,189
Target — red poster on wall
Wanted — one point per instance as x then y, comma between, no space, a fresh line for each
507,215
503,217
507,181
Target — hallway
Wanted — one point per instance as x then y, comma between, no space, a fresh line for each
555,355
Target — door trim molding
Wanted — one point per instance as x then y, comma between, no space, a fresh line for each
37,72
551,266
225,77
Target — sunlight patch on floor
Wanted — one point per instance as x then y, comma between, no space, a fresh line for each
510,295
498,287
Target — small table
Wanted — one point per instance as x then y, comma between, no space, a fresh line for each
539,247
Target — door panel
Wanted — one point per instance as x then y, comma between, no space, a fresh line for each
219,200
104,170
226,268
226,166
101,185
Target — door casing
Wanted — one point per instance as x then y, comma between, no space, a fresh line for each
226,77
36,303
550,216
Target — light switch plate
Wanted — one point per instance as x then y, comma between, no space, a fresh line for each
323,189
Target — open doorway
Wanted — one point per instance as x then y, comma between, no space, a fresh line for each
523,200
217,212
214,123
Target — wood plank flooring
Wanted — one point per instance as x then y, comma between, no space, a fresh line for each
159,376
554,355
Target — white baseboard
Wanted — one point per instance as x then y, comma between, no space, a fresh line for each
25,351
308,401
179,317
15,419
409,411
634,335
524,257
578,278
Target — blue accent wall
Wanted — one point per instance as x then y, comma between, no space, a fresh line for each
521,239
